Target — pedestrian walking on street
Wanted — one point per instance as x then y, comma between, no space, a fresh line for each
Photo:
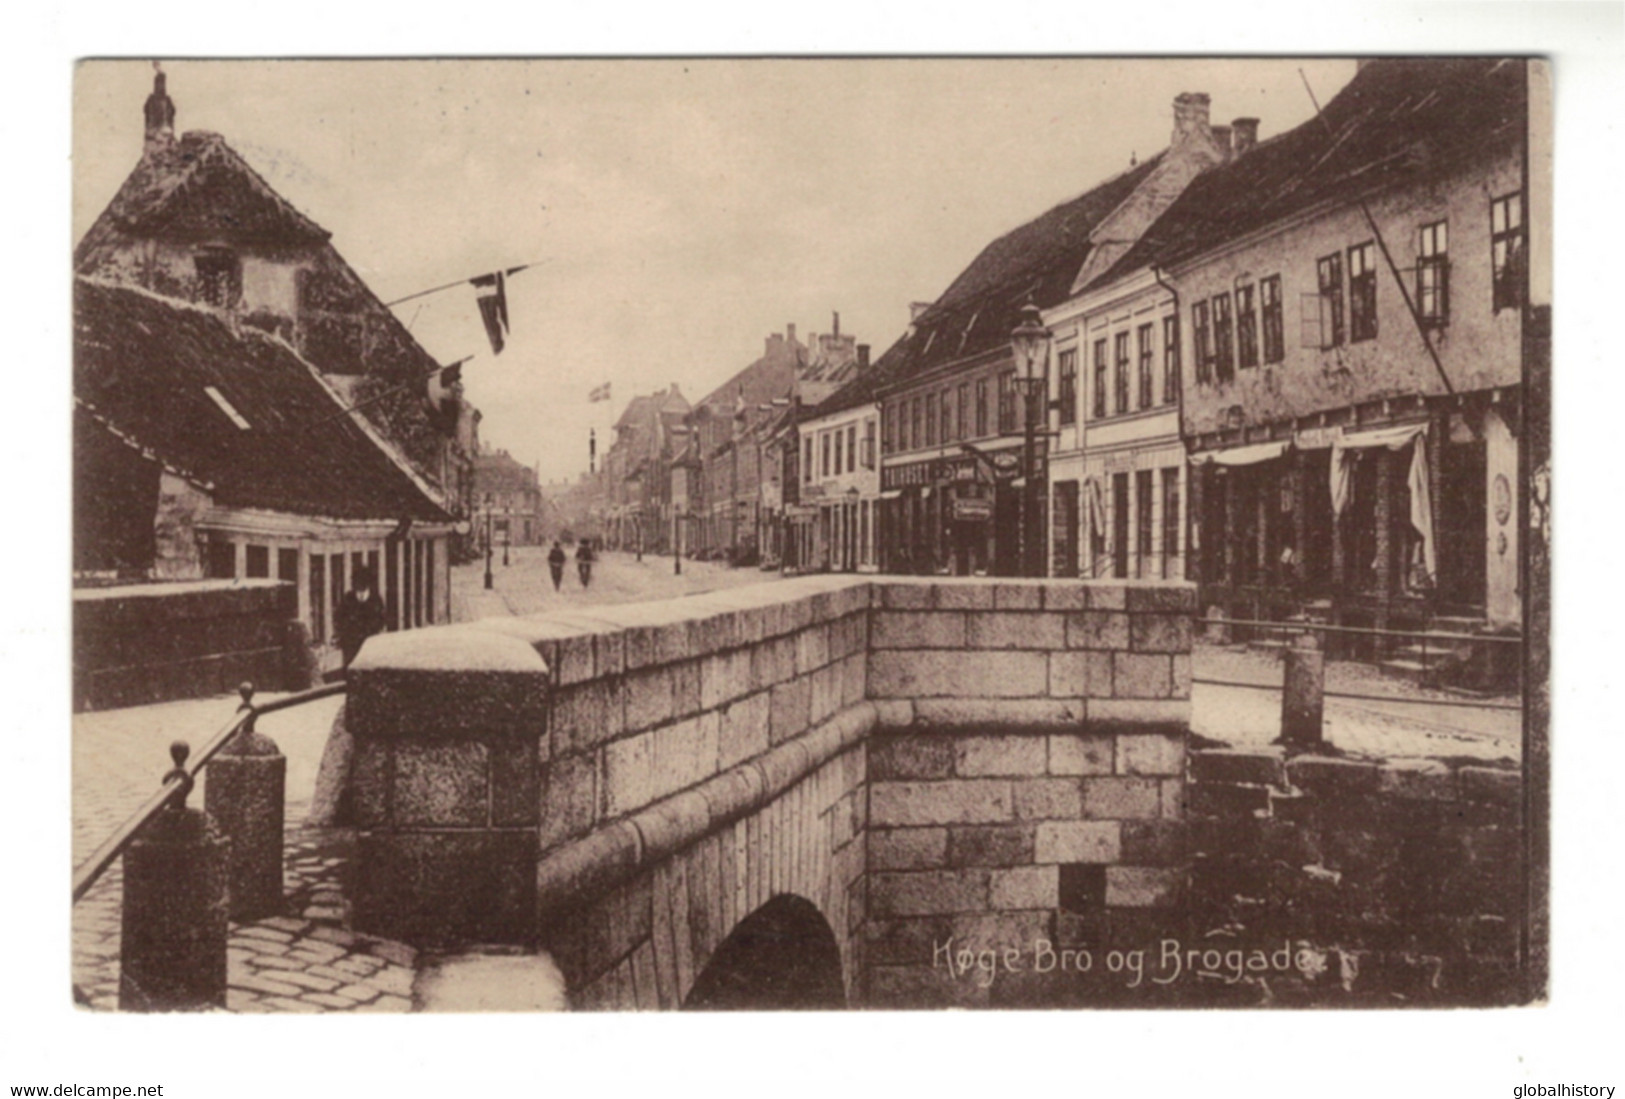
555,563
359,615
584,560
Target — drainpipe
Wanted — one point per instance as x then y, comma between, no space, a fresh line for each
1179,409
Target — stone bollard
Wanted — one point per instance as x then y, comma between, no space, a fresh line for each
244,798
173,953
1303,694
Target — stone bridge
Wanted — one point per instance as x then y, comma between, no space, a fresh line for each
810,792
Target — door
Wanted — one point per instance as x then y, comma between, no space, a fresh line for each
1066,529
1460,520
1120,517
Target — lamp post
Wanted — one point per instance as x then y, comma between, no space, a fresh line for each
507,537
489,583
1029,345
676,541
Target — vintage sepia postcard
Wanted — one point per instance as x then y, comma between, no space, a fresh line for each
811,533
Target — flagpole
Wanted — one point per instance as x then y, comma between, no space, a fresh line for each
459,282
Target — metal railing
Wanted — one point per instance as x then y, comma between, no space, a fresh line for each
1441,637
178,783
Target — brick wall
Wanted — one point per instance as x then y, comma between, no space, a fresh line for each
1397,882
142,643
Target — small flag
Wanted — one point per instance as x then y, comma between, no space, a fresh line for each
493,299
599,393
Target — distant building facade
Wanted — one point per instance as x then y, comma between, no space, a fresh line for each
511,496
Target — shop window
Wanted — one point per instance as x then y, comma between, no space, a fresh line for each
1507,251
257,562
1202,334
1066,385
318,605
1170,358
1224,350
1269,296
1246,328
1170,521
220,560
1363,292
1144,503
287,564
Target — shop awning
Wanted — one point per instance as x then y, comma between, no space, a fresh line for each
1417,481
1242,455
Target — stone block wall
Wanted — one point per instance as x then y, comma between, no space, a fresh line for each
141,643
1026,783
992,762
1397,883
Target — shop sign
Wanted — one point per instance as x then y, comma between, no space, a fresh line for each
973,508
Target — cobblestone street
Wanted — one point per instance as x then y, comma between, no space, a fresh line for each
303,960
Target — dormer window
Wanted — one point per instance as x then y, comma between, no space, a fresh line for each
219,277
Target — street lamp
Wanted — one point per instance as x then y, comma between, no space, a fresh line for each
1029,345
507,537
489,583
676,541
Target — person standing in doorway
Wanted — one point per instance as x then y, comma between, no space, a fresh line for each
584,560
555,563
359,615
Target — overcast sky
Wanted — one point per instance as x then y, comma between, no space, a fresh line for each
679,210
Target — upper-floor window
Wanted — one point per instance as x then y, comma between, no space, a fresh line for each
869,443
1147,353
931,419
1170,358
1269,296
219,277
851,447
1507,251
1007,402
1433,273
914,424
947,432
1202,335
981,407
823,447
1329,308
1246,328
1066,384
1100,379
962,417
1120,372
1363,292
837,434
1224,348
807,460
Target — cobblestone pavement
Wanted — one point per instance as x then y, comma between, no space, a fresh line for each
1418,722
303,960
524,586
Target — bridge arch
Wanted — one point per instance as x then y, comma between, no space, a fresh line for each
782,956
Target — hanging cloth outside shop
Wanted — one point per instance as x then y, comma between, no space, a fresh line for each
1392,438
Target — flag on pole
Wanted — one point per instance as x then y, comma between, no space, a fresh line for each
599,393
493,299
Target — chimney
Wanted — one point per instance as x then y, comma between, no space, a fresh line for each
789,333
835,331
1221,141
1190,115
160,114
863,356
1243,135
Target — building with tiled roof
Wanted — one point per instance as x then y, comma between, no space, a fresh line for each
245,407
1349,300
952,435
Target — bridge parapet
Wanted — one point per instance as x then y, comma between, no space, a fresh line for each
918,759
